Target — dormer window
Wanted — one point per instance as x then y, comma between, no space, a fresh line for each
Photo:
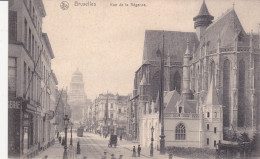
180,109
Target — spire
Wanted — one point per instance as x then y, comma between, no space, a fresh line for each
212,96
187,53
143,81
203,9
203,19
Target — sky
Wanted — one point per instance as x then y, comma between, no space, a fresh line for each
106,42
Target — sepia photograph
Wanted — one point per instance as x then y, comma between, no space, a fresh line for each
123,79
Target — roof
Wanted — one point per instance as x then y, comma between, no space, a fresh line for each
189,106
175,43
212,96
171,98
41,7
203,9
48,44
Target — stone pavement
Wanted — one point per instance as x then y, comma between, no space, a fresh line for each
54,152
145,151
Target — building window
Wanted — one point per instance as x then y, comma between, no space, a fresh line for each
28,87
111,115
24,79
207,141
180,132
30,40
111,106
25,33
208,114
215,130
119,110
215,143
207,126
12,76
12,25
180,109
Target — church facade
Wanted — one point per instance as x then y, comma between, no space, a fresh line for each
214,71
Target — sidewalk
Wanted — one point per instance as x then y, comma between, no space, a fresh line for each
145,151
54,152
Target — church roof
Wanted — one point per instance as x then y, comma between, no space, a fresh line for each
175,43
171,98
189,106
226,28
212,96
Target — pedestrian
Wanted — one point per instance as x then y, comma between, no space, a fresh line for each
63,141
104,156
121,137
120,157
58,134
59,139
139,150
113,156
134,152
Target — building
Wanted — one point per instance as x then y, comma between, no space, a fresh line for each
210,82
29,88
110,114
77,97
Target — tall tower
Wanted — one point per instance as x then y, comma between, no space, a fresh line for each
77,96
186,73
202,20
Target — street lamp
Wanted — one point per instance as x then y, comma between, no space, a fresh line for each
161,95
66,123
71,134
151,150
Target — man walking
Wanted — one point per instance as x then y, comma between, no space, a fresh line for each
134,152
139,150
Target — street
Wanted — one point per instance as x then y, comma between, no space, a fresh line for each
93,146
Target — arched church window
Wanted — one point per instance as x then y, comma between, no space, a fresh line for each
180,132
241,94
212,72
176,82
180,109
226,92
155,85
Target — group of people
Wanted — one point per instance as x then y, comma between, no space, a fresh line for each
112,156
138,151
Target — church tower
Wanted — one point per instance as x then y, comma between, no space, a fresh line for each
202,20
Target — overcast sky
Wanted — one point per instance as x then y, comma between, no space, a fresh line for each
106,43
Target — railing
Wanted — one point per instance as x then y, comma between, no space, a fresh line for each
182,115
243,49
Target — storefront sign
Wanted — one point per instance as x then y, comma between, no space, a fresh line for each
14,104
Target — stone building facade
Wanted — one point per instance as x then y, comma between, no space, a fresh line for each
29,76
218,51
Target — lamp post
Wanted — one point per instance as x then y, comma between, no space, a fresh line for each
151,150
161,95
71,135
66,122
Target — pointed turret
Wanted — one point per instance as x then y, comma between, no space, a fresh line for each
202,20
186,73
212,96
